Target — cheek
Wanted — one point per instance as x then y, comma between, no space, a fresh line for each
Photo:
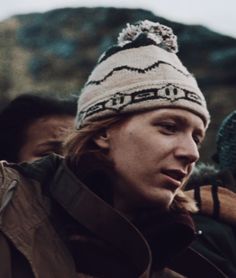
26,155
133,163
126,154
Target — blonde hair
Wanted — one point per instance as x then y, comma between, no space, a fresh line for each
184,202
81,142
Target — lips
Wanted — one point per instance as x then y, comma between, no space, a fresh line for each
175,176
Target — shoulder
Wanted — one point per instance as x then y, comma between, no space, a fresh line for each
41,170
26,179
217,242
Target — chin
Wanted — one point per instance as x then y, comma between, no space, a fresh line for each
160,201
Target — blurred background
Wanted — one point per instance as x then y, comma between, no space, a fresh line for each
51,46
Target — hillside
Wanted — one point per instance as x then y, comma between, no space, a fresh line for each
56,50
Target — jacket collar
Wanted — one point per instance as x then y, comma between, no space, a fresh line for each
95,214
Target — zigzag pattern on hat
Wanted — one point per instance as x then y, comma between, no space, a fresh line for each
138,70
121,100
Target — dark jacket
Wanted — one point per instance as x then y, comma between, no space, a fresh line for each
52,225
216,220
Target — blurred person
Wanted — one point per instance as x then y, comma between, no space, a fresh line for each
34,126
214,188
114,206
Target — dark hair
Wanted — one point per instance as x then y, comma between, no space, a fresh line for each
21,112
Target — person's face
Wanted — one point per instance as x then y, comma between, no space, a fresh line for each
44,136
153,154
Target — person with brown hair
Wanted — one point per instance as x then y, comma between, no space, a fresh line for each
214,188
35,125
115,206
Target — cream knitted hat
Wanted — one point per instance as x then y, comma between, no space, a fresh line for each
142,72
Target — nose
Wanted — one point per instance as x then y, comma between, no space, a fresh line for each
187,150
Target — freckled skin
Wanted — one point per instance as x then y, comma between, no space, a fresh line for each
147,144
45,136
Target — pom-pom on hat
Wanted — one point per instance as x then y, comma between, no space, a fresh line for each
142,72
226,142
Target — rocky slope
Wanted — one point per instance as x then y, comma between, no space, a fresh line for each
56,50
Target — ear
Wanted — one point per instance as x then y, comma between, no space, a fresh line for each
103,140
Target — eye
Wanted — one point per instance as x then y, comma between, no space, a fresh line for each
43,154
197,140
168,127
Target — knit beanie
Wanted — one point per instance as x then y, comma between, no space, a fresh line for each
226,142
142,72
